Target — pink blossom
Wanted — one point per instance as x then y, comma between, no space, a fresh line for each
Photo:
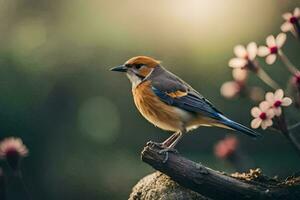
291,19
244,56
273,47
12,149
224,148
262,116
276,100
12,146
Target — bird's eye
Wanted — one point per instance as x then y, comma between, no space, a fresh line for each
138,66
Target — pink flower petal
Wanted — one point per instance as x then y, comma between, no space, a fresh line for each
237,62
280,40
266,123
271,41
252,50
287,26
263,51
270,113
269,122
239,74
277,111
287,16
255,123
14,144
297,12
278,95
270,97
229,89
264,106
255,112
270,59
240,51
286,101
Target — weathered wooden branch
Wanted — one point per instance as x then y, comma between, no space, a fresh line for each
214,184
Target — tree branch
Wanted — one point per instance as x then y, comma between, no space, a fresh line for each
211,183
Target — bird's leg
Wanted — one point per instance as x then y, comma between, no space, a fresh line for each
170,148
173,144
165,143
170,139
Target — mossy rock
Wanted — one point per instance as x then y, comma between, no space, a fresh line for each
157,186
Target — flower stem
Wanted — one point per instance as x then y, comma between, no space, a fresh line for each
20,176
2,185
293,140
294,34
287,62
293,126
266,78
297,29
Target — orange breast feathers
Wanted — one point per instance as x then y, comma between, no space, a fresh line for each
157,112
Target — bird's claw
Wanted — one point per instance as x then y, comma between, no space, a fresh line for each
166,151
152,144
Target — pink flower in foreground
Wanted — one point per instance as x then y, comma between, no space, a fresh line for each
244,56
262,116
291,20
12,149
273,47
224,148
277,100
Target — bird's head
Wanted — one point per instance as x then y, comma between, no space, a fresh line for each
137,68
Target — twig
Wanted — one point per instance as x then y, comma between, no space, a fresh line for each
267,79
294,141
293,126
287,62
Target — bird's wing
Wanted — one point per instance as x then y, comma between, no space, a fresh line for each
173,91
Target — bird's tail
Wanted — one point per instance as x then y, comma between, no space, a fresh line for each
236,126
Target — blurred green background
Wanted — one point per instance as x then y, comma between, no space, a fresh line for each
78,118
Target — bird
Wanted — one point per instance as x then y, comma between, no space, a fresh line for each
170,103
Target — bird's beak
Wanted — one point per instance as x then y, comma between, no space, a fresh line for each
121,68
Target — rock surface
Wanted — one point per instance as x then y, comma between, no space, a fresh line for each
158,186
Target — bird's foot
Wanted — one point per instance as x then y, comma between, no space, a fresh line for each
157,144
164,149
166,152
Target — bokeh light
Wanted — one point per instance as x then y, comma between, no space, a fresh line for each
99,119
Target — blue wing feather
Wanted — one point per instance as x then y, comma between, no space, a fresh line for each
165,84
190,102
196,104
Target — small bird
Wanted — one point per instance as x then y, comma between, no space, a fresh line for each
171,104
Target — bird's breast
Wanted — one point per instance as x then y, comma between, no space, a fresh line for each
157,112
